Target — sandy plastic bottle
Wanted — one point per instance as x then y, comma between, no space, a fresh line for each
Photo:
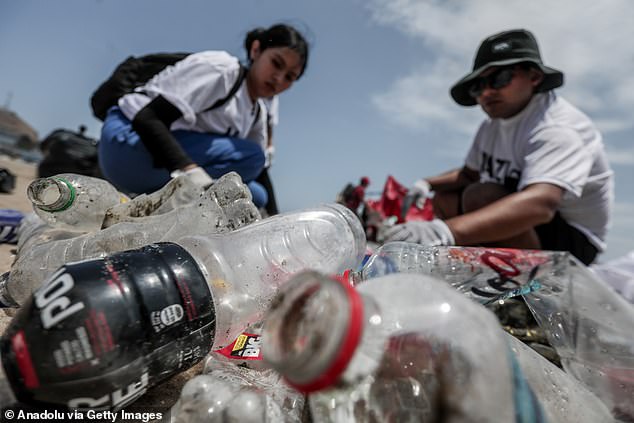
225,206
34,231
403,347
99,332
71,201
482,274
226,392
178,192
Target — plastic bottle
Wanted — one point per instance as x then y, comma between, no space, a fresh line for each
227,393
34,231
403,347
225,206
178,192
9,222
72,201
619,274
249,265
590,326
584,319
562,397
483,274
99,332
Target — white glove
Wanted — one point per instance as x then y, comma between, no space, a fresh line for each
420,188
197,175
269,151
418,192
432,233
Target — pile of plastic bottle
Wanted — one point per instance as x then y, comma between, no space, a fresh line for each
293,319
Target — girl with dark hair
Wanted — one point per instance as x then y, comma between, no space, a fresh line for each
202,117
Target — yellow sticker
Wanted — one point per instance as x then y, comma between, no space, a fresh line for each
240,341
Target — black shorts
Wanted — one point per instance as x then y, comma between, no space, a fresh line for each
558,235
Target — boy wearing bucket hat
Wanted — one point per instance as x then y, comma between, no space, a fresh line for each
536,176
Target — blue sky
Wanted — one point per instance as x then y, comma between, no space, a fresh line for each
374,100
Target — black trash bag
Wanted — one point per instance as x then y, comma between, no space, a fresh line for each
7,181
67,151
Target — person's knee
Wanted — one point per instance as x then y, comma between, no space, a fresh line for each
253,162
481,194
258,194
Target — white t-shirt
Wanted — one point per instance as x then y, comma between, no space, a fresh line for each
272,109
550,141
194,84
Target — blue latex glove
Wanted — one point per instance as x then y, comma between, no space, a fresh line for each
431,233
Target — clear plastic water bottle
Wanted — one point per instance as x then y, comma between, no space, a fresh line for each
585,320
403,347
229,393
248,266
9,223
71,201
590,326
225,206
99,332
482,274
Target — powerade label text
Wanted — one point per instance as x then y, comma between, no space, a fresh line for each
116,399
51,300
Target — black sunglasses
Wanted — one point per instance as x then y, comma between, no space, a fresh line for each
496,80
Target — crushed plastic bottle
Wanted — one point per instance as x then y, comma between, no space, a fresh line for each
226,392
402,347
34,231
178,192
225,206
100,332
482,274
71,201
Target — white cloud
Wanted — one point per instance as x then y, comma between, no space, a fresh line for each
589,40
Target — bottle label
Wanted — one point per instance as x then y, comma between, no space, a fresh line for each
247,346
98,333
9,222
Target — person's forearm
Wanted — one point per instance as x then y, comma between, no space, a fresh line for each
453,180
152,125
507,217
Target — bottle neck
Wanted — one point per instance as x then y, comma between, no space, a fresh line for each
51,194
312,330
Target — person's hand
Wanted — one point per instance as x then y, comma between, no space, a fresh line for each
419,191
431,233
197,175
268,156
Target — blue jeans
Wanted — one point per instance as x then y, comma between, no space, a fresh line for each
127,164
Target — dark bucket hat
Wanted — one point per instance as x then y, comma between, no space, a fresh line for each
506,48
